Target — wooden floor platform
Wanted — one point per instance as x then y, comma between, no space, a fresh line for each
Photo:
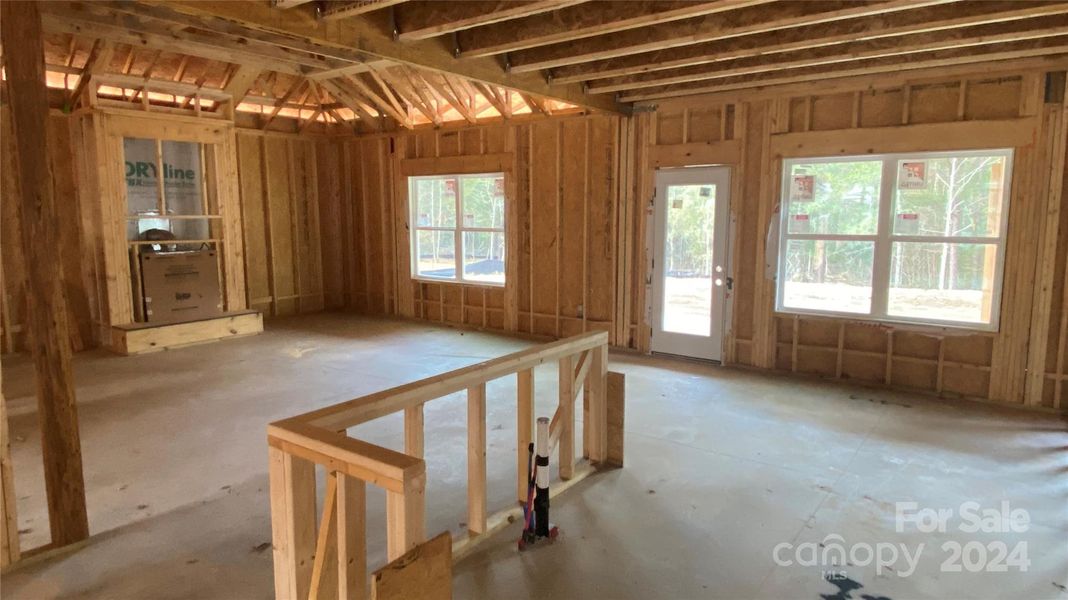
139,338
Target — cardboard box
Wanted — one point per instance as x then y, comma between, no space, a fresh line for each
180,286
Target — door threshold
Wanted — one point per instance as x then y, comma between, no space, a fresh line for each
695,359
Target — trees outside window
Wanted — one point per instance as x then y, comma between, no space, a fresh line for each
905,237
458,228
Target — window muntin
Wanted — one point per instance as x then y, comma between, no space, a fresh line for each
902,238
181,205
459,228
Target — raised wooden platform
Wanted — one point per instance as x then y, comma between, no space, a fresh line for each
139,338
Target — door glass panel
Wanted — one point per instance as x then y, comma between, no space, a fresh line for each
687,302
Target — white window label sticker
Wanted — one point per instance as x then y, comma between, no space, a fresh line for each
803,188
907,224
912,175
800,224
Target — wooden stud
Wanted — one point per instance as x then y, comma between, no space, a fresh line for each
793,342
598,411
889,356
614,418
292,482
405,517
906,104
414,431
476,459
962,100
567,414
294,209
524,430
839,355
351,537
940,375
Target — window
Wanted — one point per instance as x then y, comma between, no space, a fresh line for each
459,228
898,237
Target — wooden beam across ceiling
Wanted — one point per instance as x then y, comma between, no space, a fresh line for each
371,35
585,21
732,23
428,18
873,48
1056,47
341,10
928,19
1008,68
102,21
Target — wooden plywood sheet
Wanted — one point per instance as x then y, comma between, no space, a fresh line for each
424,572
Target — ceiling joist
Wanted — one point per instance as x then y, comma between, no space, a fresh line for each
341,10
838,53
584,21
426,19
1057,46
731,23
422,60
928,19
372,35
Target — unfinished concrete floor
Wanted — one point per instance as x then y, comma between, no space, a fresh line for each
722,467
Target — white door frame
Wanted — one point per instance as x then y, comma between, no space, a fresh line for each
694,346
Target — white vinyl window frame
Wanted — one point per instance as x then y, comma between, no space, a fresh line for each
884,238
458,230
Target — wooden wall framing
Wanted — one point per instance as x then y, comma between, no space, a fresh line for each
97,139
324,224
12,263
286,183
1022,363
562,207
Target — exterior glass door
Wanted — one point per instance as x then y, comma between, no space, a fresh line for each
689,261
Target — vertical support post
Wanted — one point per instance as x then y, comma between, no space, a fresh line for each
46,307
413,431
351,537
567,417
406,516
524,429
616,407
598,415
476,459
292,523
9,528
